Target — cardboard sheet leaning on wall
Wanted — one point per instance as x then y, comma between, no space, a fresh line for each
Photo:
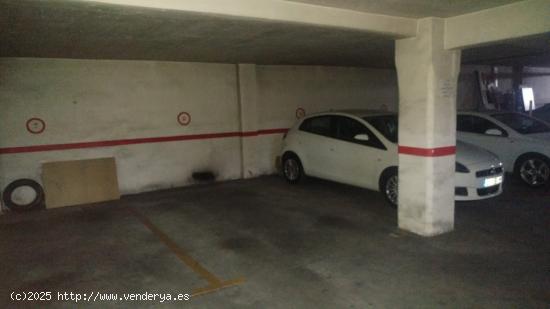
68,183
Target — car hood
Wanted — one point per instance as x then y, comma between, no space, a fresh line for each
544,117
543,113
469,154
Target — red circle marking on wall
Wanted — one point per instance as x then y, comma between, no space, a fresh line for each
184,118
35,125
300,113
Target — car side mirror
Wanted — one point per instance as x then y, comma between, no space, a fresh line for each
494,132
361,137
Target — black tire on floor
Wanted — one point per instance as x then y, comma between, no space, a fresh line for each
37,202
292,168
533,170
387,179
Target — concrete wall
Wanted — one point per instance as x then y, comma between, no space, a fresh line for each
468,96
83,101
540,85
101,100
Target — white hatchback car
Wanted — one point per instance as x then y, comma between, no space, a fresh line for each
522,142
360,148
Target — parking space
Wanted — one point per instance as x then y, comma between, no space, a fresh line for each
274,154
315,245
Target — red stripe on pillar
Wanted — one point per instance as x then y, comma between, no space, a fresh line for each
428,152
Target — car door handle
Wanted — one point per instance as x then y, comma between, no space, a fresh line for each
331,149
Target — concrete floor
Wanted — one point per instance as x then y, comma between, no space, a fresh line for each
316,245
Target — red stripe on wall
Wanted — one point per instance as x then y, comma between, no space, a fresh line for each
427,152
264,132
133,141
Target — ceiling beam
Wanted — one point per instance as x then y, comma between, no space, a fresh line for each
285,11
502,23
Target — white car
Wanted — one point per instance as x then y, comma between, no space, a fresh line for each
522,142
360,148
543,113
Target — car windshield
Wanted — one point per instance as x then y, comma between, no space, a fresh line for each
386,125
522,124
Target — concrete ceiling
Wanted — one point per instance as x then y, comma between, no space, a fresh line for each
90,30
412,8
529,51
75,29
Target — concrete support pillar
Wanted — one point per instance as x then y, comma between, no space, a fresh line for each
248,118
427,77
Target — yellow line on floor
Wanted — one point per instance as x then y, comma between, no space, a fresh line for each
214,283
211,289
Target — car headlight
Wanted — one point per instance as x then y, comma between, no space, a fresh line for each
461,168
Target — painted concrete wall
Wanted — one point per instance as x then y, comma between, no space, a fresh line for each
101,100
427,76
83,101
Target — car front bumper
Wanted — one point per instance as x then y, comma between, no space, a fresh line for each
481,182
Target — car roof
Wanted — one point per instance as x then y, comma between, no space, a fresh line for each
356,112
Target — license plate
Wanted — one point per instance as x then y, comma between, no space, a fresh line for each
493,181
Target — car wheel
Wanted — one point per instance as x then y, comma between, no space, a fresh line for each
292,169
37,202
389,186
533,170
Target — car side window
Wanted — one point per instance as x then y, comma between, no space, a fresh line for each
348,128
321,125
475,124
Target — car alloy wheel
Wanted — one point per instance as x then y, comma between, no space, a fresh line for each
292,169
391,189
534,171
